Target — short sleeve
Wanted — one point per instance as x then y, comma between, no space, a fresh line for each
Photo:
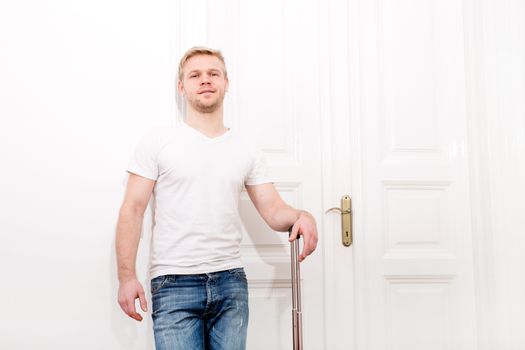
143,162
259,172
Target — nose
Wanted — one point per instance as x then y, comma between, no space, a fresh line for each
205,79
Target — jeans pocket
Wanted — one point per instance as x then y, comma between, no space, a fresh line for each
157,283
239,272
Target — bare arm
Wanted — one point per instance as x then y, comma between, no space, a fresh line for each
280,216
129,225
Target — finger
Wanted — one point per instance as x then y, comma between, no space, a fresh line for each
310,247
310,243
143,303
123,306
303,254
295,231
132,312
136,316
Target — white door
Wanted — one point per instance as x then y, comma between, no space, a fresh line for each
361,98
273,68
413,250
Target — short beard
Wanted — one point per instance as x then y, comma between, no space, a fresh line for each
197,105
205,108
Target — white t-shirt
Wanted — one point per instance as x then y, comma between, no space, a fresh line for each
196,222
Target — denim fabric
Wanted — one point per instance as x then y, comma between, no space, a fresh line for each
204,311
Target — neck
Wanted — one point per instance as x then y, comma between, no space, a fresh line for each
210,124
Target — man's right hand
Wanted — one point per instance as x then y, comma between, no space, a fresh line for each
128,291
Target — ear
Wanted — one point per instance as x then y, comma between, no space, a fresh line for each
227,85
180,88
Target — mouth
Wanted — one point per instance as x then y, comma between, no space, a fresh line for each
207,91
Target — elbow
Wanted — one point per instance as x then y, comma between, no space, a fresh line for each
131,210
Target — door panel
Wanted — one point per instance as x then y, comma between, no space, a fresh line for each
415,268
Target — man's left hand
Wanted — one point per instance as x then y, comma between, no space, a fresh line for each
305,226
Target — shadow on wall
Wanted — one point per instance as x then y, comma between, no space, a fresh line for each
266,256
272,248
131,334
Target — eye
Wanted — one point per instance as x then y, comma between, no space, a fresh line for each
193,75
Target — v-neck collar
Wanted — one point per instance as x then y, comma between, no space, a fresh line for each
206,137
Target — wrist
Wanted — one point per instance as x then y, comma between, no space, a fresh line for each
304,213
127,277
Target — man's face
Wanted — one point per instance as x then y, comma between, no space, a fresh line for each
203,83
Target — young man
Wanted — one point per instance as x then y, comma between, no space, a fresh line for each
196,172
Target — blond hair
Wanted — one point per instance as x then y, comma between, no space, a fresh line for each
201,50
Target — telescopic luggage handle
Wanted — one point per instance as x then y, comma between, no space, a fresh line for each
297,323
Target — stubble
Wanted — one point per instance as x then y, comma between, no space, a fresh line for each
203,107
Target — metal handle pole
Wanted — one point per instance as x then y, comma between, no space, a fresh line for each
297,323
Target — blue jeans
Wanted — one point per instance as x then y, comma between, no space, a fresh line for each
204,311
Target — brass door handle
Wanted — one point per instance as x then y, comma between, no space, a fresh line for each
346,219
348,211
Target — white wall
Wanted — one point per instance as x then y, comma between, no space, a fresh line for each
79,81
